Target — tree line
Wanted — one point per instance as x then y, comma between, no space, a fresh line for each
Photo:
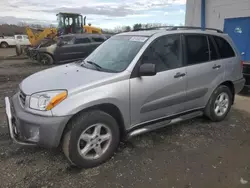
7,29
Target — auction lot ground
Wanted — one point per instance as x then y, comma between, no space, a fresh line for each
196,153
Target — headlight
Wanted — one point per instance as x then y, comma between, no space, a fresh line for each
47,100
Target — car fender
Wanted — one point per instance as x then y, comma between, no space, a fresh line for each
116,94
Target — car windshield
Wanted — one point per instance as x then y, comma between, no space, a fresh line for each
116,53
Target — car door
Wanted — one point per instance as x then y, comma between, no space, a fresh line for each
163,94
82,47
65,51
204,70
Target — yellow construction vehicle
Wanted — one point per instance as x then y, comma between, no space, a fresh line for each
68,23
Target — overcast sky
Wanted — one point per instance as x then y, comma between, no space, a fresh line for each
101,13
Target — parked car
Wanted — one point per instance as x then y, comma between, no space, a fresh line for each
133,83
6,42
68,48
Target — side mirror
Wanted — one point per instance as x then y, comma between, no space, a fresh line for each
147,69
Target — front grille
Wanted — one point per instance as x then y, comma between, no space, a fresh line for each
22,97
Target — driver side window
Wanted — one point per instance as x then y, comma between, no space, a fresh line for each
164,52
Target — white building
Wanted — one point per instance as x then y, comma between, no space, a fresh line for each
231,16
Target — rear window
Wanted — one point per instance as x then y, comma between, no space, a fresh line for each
224,48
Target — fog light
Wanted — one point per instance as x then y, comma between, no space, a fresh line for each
34,134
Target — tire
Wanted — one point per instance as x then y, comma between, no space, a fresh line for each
210,108
82,123
46,59
4,45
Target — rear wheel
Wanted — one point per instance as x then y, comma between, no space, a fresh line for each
4,45
219,104
92,139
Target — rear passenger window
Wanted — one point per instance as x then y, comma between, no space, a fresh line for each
213,52
224,48
98,39
82,41
197,49
164,52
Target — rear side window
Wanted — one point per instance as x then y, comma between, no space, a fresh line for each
82,41
224,48
196,49
98,39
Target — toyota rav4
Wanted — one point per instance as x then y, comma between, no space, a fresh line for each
133,83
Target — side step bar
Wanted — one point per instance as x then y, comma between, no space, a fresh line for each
164,123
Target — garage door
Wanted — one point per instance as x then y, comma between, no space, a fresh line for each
239,30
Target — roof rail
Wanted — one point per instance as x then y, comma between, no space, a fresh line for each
151,28
192,27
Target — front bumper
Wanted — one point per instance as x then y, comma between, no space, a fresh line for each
33,53
30,129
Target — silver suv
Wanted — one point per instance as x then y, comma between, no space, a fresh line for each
133,83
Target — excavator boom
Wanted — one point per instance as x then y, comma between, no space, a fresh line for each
35,38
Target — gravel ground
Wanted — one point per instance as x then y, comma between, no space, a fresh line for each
7,52
196,153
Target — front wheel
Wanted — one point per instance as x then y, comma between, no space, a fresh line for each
46,59
219,104
92,139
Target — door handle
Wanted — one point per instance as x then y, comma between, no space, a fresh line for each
216,66
179,75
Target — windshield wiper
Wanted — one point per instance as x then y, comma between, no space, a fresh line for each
96,65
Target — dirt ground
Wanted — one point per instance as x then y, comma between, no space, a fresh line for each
196,153
7,52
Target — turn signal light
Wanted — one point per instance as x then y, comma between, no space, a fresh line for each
56,100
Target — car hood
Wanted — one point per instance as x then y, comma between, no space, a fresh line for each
70,77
